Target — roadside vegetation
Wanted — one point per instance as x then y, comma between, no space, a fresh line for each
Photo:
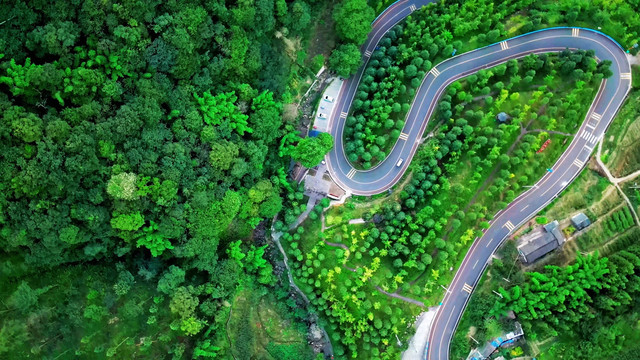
612,234
372,275
146,148
408,51
584,309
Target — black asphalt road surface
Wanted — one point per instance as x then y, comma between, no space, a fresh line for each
608,100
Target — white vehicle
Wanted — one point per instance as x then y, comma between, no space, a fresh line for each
323,162
399,162
322,115
327,98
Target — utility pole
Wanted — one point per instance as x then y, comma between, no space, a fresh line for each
399,342
512,266
497,293
478,343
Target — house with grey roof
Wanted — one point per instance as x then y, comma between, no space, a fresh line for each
540,242
580,221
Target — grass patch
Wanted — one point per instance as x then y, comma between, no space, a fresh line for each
259,328
621,140
635,76
584,192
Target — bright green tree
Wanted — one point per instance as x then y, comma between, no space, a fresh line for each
345,60
311,150
353,20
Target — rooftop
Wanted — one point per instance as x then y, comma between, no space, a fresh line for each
580,221
503,117
540,242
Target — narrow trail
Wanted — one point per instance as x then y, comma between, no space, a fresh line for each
400,297
342,246
276,239
229,337
623,179
615,183
551,132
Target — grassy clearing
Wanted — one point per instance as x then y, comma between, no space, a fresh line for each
322,38
584,194
635,76
259,329
620,148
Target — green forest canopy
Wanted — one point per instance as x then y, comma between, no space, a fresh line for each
135,141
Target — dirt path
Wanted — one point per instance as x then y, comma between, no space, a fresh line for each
616,184
276,238
550,132
342,246
229,337
403,298
620,180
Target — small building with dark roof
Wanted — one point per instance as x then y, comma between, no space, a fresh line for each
580,221
503,117
540,242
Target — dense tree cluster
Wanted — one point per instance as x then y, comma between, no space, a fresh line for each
311,150
583,300
142,134
353,20
397,67
409,50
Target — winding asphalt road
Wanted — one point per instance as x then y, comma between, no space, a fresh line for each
608,100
